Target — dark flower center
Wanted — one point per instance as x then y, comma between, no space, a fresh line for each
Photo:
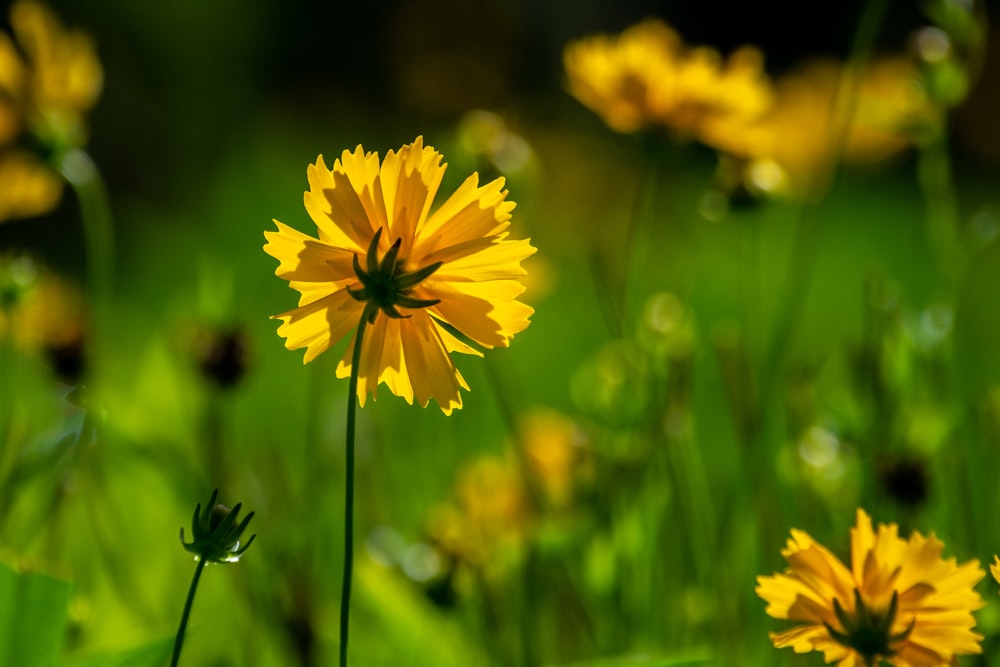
385,284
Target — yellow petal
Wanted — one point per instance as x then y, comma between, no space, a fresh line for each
432,373
335,208
315,325
470,213
409,180
482,259
303,258
486,312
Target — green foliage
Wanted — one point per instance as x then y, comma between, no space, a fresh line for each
705,370
154,654
33,618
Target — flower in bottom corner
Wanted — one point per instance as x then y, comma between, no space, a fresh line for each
428,283
897,602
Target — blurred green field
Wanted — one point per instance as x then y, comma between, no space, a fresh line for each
702,372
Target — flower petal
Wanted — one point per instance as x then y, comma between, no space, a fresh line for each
316,324
409,180
482,259
486,312
470,213
303,258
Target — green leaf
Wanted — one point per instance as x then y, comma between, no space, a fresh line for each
33,618
154,654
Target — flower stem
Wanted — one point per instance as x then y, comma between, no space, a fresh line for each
934,173
79,170
187,611
352,406
805,242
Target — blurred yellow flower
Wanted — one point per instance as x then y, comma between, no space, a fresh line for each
38,309
645,77
792,148
49,78
554,448
900,602
489,517
435,276
29,187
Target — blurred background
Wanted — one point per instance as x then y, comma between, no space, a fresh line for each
708,365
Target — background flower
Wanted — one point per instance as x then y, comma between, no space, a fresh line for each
900,601
50,78
799,137
645,78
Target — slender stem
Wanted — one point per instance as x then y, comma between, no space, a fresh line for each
806,236
934,172
187,611
82,174
352,405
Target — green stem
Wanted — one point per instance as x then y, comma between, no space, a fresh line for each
352,408
187,611
82,174
934,173
805,243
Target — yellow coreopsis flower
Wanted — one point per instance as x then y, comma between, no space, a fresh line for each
489,517
792,148
555,446
899,601
424,279
49,78
38,309
645,77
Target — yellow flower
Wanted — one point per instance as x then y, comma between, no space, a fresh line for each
435,277
489,517
555,448
645,77
899,602
38,309
792,148
61,78
49,78
29,188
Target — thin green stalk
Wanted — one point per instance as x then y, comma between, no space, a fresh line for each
79,170
352,406
805,242
179,642
10,362
934,173
657,157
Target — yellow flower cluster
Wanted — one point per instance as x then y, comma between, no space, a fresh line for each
38,309
787,134
499,501
826,112
49,78
898,602
488,519
646,78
